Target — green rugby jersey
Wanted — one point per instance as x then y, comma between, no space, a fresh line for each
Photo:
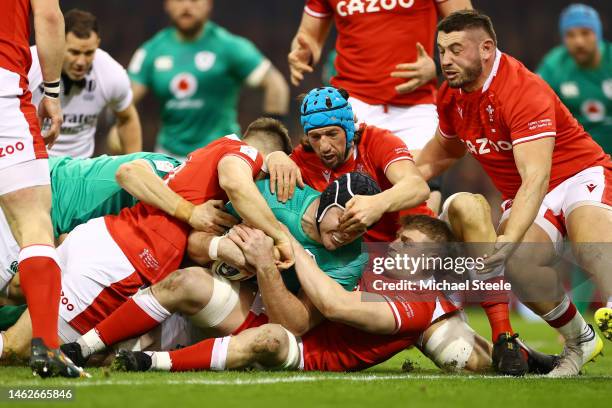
197,83
83,189
586,92
345,265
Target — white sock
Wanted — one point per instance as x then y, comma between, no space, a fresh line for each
160,360
91,343
609,304
572,329
219,353
151,306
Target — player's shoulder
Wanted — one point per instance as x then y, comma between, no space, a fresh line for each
373,135
556,56
159,40
445,94
221,33
106,64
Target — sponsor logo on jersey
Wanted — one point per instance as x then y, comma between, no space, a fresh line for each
13,268
346,8
163,63
484,145
606,86
204,60
75,123
569,89
148,259
327,175
593,110
137,60
183,85
11,149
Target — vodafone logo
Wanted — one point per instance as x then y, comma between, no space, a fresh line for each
183,85
594,110
346,8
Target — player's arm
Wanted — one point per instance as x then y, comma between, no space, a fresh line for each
128,130
307,45
337,304
533,161
276,93
138,178
438,155
447,7
296,313
50,40
200,250
236,179
409,190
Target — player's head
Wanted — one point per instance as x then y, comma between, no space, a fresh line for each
82,41
423,229
580,28
329,124
268,135
466,42
188,16
333,202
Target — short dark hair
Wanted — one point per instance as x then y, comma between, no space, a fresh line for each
467,19
80,23
273,128
437,230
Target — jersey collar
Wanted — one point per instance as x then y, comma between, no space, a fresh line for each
487,83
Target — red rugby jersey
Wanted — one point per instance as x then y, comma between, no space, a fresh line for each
373,37
516,106
155,242
376,150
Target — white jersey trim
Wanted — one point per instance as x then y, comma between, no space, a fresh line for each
534,137
444,135
316,14
395,160
487,83
257,76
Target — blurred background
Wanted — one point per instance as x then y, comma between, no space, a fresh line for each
526,29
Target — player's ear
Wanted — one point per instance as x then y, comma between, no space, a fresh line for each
487,49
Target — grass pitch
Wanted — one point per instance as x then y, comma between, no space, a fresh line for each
385,385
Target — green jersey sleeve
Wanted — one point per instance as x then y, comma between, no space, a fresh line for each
246,62
141,65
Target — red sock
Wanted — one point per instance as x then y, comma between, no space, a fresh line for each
499,318
40,278
127,321
196,357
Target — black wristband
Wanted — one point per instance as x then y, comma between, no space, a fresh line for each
52,89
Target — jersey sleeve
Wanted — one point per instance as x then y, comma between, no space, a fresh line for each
386,148
444,108
247,63
162,164
140,69
411,316
348,275
318,8
532,115
247,153
120,92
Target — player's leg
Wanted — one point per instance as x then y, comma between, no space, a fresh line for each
269,346
537,284
15,342
210,301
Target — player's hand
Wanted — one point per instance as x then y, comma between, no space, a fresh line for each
50,111
361,212
257,247
418,73
504,247
231,254
211,217
284,175
300,59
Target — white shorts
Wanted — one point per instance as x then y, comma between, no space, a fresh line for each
592,186
23,175
96,276
20,141
415,125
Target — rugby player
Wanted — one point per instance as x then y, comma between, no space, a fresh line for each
363,328
213,302
333,146
91,81
25,196
196,69
384,60
108,259
552,175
